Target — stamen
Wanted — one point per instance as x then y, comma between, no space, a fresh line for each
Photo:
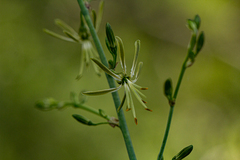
144,88
144,101
135,119
148,109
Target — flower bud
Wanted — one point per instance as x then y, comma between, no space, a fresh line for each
82,119
200,42
47,104
197,20
183,153
110,36
168,89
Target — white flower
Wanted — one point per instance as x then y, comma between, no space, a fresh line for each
128,82
83,37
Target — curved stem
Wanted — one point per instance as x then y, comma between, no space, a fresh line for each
160,155
111,82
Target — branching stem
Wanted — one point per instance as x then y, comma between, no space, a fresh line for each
111,82
160,156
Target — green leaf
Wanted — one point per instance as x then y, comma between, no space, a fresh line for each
58,36
137,49
200,42
183,153
197,20
106,70
101,92
168,89
122,54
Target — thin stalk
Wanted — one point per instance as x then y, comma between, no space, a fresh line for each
90,109
170,115
166,133
111,82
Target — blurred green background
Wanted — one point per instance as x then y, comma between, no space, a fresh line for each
34,66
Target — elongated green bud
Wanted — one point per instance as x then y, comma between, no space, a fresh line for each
197,20
191,24
168,89
183,153
200,42
82,119
110,36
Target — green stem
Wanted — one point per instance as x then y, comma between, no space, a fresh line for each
160,155
180,78
111,82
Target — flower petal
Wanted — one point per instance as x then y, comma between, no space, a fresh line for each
83,54
95,67
108,71
66,27
122,54
133,88
99,15
137,48
137,96
101,92
140,64
58,35
70,35
129,100
121,105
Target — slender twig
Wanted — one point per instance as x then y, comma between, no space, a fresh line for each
170,115
111,82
